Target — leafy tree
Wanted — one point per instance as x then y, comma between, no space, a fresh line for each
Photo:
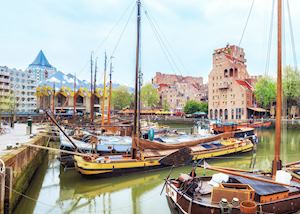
149,96
165,105
204,107
291,85
265,91
7,105
193,106
121,98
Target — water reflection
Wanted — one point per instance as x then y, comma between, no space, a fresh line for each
59,191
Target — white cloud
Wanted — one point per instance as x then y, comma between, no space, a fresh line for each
68,30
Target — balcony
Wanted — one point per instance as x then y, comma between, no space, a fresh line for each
4,87
224,86
2,79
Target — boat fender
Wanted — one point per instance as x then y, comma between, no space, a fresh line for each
151,134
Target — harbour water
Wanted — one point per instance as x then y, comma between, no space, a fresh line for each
54,190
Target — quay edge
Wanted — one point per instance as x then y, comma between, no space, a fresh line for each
23,162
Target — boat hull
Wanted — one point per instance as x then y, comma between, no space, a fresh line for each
180,203
119,168
92,169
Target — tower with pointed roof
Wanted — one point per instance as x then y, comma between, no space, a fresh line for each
41,68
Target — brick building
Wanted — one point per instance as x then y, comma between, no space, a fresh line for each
230,88
176,90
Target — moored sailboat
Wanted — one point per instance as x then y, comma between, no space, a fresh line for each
241,191
148,155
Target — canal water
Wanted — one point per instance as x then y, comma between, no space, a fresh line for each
54,190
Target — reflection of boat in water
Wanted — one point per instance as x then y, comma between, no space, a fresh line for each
257,124
81,194
81,188
240,191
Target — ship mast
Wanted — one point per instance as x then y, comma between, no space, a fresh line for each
74,98
110,89
92,93
95,80
277,164
136,134
53,99
104,92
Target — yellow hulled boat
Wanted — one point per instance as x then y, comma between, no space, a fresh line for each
105,166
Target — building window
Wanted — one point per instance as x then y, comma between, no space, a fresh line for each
231,72
226,114
216,114
225,73
232,114
221,114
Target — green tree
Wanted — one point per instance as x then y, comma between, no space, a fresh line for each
193,106
203,107
265,91
7,105
165,105
149,96
291,85
121,98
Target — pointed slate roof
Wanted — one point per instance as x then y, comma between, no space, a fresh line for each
41,60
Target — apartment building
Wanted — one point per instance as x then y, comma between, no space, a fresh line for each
176,90
41,68
4,89
230,88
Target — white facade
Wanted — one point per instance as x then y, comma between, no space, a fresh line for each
4,88
22,88
40,73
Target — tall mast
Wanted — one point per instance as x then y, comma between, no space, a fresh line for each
92,94
95,80
75,97
277,165
95,76
137,66
104,91
110,89
53,99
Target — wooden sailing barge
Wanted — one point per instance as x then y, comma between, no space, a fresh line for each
240,191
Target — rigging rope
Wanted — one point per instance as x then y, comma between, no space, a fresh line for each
162,44
292,35
250,11
122,32
109,33
30,198
270,40
167,41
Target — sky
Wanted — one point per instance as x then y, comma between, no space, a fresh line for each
68,31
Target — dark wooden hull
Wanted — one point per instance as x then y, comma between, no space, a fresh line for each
184,205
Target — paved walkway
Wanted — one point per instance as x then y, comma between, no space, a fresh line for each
14,135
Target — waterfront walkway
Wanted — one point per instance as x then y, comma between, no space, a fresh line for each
14,135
